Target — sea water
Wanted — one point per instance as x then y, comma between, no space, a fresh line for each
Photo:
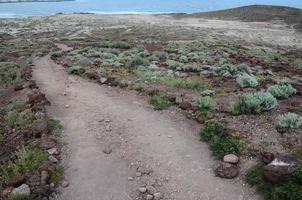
19,10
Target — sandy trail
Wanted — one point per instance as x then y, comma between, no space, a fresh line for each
99,117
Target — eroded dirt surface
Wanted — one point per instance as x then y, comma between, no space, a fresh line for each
142,147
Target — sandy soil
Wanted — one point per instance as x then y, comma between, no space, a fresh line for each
149,148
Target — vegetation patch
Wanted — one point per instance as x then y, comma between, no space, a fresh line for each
220,144
19,197
27,159
56,175
290,120
205,104
246,80
160,101
8,73
253,103
283,91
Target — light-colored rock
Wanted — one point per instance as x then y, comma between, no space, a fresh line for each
44,177
231,158
149,197
142,189
22,190
64,184
151,189
158,196
53,151
53,159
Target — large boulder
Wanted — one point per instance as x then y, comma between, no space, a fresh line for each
279,170
227,170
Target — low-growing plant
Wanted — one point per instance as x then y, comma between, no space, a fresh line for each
205,104
8,73
290,190
19,197
282,91
298,63
246,80
76,70
160,101
290,120
56,175
27,159
193,84
253,103
220,144
54,124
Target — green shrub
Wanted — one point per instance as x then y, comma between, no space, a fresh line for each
253,103
54,124
247,81
290,120
220,145
175,65
11,118
283,91
192,84
160,101
290,190
27,159
298,63
205,104
19,197
8,73
26,119
76,70
56,175
230,68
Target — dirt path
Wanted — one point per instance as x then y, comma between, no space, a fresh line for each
148,147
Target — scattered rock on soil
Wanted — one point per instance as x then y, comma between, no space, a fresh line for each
53,151
39,127
53,159
227,170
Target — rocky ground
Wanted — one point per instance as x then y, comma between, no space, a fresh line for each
236,85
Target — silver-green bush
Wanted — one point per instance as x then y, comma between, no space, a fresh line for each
254,103
290,120
282,91
246,80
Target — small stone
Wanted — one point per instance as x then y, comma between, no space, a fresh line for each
107,120
138,174
64,94
130,178
52,185
44,177
170,136
149,197
151,189
142,189
22,190
231,158
53,159
66,106
208,93
158,196
64,184
107,150
108,128
53,151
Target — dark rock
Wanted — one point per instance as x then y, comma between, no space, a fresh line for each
92,75
185,105
278,171
16,181
37,98
227,170
39,127
18,87
267,157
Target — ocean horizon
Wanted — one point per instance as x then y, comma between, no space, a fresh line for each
29,9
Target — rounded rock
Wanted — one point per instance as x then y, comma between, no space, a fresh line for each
231,158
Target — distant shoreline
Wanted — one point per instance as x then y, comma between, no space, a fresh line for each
27,1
